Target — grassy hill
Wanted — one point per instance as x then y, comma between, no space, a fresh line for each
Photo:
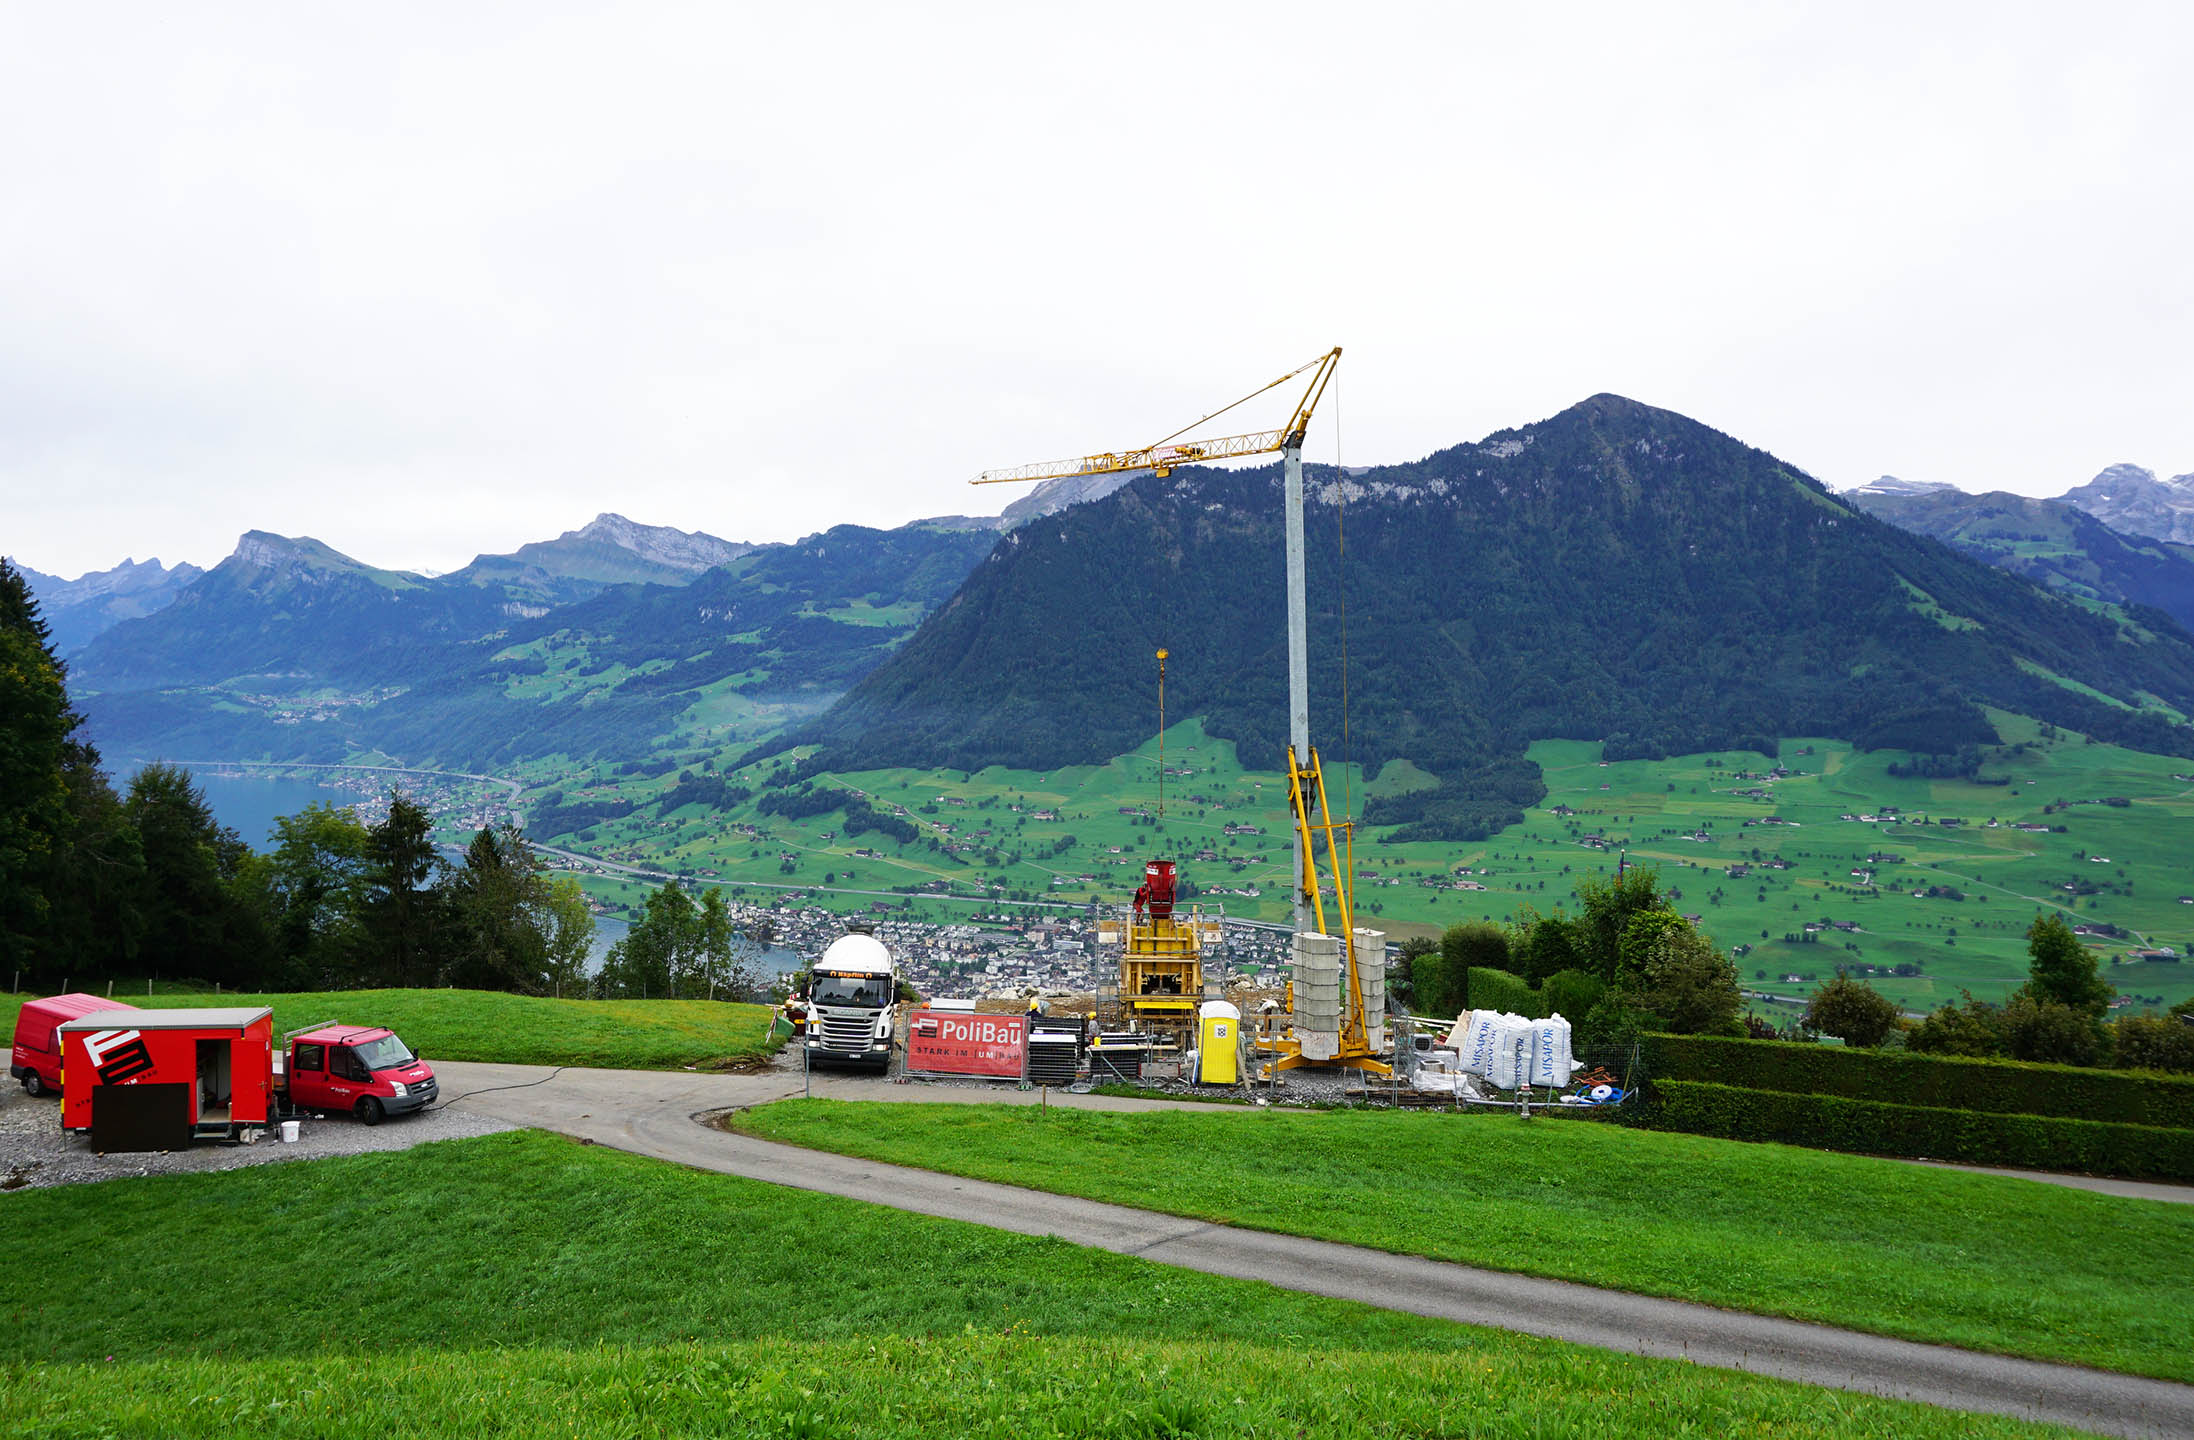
511,1029
1843,1240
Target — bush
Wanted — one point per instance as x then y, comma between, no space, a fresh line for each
1870,1127
2142,1042
1974,1029
1492,989
2051,1033
1852,1011
1463,948
2005,1087
1571,994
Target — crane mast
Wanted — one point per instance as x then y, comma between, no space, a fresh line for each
1305,780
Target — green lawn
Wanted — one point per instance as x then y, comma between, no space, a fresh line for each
514,1029
1926,1254
523,1284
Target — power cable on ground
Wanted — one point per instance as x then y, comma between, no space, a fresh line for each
491,1089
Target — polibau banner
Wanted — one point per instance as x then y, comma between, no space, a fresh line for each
943,1042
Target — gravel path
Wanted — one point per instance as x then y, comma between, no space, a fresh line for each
35,1151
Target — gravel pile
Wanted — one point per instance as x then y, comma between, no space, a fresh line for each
35,1151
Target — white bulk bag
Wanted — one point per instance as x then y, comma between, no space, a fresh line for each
1551,1063
1511,1058
1481,1036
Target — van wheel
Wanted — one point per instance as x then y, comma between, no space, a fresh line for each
35,1083
368,1111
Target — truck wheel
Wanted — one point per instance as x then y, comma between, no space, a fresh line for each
368,1111
35,1083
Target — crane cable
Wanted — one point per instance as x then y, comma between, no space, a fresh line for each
1290,375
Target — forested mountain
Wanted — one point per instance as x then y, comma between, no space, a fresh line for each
2131,500
291,650
289,614
1615,572
2048,541
77,610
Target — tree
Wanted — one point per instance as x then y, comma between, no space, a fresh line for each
36,728
404,931
1851,1010
497,904
1669,978
570,924
319,889
199,910
1543,945
2063,971
1609,905
1403,981
660,951
729,961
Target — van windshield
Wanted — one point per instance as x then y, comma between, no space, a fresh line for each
386,1053
868,990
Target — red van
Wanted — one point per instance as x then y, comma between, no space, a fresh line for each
36,1059
362,1069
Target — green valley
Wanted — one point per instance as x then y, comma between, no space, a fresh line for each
1924,885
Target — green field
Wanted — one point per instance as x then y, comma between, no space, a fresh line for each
1694,817
592,1293
514,1029
1912,1251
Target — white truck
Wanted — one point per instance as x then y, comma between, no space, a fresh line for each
852,996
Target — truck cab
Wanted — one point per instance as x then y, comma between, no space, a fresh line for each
364,1070
852,999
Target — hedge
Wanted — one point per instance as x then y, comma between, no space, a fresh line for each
1492,989
1869,1127
1900,1077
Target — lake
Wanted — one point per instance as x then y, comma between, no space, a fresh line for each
250,804
608,930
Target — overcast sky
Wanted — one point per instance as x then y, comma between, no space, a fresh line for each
427,281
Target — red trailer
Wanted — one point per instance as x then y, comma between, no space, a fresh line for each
36,1059
158,1079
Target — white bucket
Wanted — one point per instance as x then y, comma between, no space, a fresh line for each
289,1132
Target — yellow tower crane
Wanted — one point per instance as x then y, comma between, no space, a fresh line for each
1357,1046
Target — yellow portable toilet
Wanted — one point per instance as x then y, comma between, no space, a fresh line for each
1220,1029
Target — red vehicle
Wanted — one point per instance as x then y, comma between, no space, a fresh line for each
36,1059
158,1079
364,1070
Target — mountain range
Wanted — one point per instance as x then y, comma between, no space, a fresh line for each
76,610
2051,542
1616,572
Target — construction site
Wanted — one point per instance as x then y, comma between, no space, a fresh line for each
1165,1017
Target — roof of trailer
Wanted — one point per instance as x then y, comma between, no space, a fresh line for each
231,1019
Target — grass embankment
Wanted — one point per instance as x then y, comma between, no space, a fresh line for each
514,1029
525,1285
1935,1255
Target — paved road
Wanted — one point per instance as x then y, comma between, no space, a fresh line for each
653,1113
